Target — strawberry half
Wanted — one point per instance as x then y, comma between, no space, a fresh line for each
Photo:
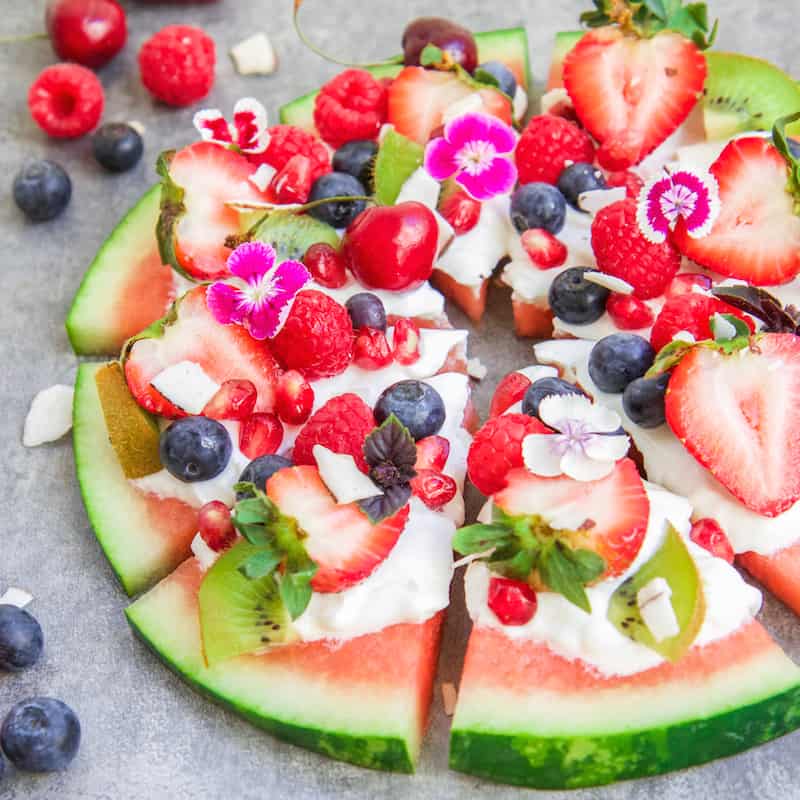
608,516
632,93
197,183
345,545
738,416
225,352
757,234
419,97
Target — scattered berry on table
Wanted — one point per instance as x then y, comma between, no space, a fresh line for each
261,434
506,81
432,453
236,399
406,342
643,401
509,391
42,190
357,158
545,387
117,146
261,469
579,178
195,449
366,310
177,64
461,211
547,145
88,32
286,141
340,213
448,36
618,359
538,205
513,602
543,249
215,526
435,489
416,404
575,300
326,266
294,398
707,533
371,349
21,639
66,100
629,312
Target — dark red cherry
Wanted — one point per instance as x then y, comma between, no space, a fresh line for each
443,33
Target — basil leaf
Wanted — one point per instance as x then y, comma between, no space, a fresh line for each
384,505
295,593
518,567
560,575
588,565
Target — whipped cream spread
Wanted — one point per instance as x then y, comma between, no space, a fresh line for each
670,464
575,635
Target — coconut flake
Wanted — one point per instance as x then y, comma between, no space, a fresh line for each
519,103
50,416
476,369
262,177
255,55
449,698
537,371
684,336
186,385
595,200
205,556
722,329
13,596
345,481
137,126
656,609
553,98
610,282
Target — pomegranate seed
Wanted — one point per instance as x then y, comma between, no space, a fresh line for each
215,526
543,249
371,349
708,534
510,390
629,312
325,265
295,398
235,400
685,283
461,211
260,435
435,489
406,341
432,453
292,183
513,602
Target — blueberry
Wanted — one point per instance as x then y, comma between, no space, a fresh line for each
619,359
337,184
260,470
117,146
195,449
42,190
643,401
538,205
545,387
579,178
356,158
41,735
575,300
366,311
21,639
416,404
505,77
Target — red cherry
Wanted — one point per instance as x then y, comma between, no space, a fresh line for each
708,534
235,399
90,32
294,398
629,312
215,526
326,266
513,602
432,453
371,350
406,342
461,211
392,247
260,435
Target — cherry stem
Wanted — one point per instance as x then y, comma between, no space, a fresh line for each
327,56
30,37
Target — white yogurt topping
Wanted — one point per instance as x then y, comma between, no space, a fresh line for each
424,302
573,634
670,464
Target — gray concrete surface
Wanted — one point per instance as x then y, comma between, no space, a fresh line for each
147,735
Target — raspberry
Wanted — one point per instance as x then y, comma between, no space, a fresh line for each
350,106
622,251
708,534
177,64
371,350
435,489
341,425
497,448
317,338
510,390
66,100
547,144
690,312
286,141
630,180
628,312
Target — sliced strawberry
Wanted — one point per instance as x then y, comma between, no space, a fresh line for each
432,453
225,352
632,93
346,546
608,516
757,234
194,235
419,97
738,415
509,391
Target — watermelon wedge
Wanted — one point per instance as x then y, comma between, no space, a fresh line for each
126,286
510,46
529,717
565,41
364,700
144,538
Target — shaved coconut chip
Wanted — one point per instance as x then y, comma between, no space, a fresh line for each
684,336
186,385
446,232
449,698
462,562
721,328
205,556
244,206
519,103
50,416
255,55
471,104
553,98
476,369
386,128
485,514
609,282
14,596
137,126
345,481
537,371
656,609
595,200
262,177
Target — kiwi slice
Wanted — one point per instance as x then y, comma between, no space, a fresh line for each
239,615
133,432
743,93
398,158
675,565
292,234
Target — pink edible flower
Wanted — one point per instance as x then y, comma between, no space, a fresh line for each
261,293
248,132
475,149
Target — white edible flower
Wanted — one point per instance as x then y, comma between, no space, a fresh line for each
585,446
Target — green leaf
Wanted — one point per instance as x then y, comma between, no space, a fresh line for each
656,8
295,590
485,77
251,511
588,565
255,534
261,563
781,142
431,55
721,331
518,566
479,537
561,575
669,357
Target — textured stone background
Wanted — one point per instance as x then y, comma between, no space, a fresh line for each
147,735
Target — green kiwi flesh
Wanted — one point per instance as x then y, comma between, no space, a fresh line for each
292,234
